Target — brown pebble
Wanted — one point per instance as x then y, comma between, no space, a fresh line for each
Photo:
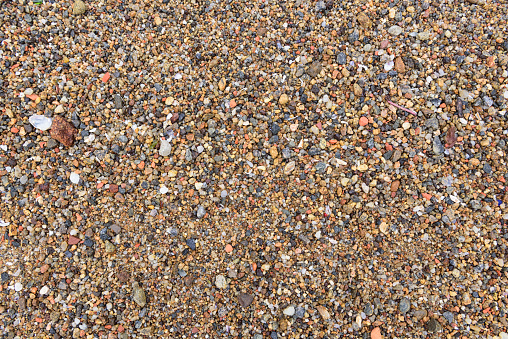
123,276
63,131
395,186
399,65
364,20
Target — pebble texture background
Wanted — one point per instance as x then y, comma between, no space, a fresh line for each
253,169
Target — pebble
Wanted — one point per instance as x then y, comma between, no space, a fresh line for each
44,290
433,326
395,30
323,312
220,281
78,7
18,287
63,131
40,122
244,299
200,212
165,148
289,311
74,178
404,305
138,294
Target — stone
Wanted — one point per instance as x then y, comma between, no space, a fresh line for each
18,286
273,151
165,148
395,30
201,212
314,69
394,187
109,248
290,166
420,314
323,312
118,101
222,84
220,281
40,122
341,58
289,311
424,35
78,7
283,99
44,290
245,299
74,178
368,310
63,131
399,65
364,121
404,305
433,326
138,294
437,146
357,90
364,20
376,333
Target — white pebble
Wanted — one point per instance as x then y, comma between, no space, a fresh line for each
74,178
165,148
163,189
40,122
389,65
18,287
44,290
289,311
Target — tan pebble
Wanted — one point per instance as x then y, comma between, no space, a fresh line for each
357,90
324,312
383,227
59,109
364,20
158,20
290,166
78,7
474,162
273,151
222,84
283,99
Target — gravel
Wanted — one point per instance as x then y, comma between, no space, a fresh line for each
298,169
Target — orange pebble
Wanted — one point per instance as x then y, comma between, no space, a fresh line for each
427,196
364,121
229,248
106,77
376,333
